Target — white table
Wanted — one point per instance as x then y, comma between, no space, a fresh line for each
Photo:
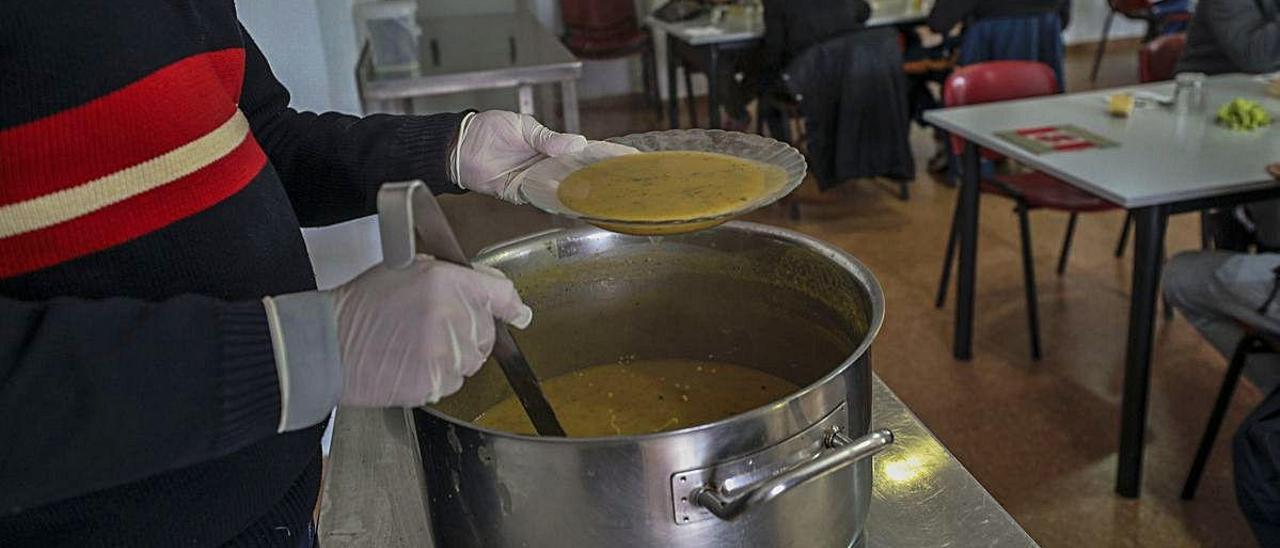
472,52
703,43
1165,164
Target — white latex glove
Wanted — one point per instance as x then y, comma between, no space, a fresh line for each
494,146
410,336
403,338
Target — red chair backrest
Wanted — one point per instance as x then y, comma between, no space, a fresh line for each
598,15
996,81
1158,58
1131,8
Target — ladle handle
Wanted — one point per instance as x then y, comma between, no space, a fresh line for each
407,212
845,453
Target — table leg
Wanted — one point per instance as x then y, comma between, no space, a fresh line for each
713,95
407,106
1149,227
524,96
569,103
967,267
673,109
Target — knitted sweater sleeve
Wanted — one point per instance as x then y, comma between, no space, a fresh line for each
99,393
332,164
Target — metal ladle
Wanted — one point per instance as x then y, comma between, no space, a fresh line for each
408,208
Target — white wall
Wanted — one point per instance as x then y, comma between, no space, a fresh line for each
289,33
1087,17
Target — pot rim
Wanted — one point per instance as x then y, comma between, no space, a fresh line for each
839,256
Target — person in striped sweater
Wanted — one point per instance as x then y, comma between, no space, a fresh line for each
166,362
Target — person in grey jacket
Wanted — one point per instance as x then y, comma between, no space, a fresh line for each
1233,36
1224,294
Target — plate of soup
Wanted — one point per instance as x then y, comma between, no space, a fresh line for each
678,181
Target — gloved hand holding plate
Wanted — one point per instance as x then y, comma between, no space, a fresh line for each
680,180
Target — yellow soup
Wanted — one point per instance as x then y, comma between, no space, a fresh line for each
667,186
643,397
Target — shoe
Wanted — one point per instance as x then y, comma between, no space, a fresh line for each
938,162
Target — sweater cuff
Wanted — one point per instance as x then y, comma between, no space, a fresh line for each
249,393
308,360
426,143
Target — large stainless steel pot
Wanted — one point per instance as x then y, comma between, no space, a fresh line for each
787,474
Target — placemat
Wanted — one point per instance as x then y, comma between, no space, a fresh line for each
1063,138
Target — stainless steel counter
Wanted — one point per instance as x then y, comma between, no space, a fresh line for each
923,497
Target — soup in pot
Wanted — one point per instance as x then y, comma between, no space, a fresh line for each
643,397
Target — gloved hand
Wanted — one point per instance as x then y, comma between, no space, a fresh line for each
405,337
494,146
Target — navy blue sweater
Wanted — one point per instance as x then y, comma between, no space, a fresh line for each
153,180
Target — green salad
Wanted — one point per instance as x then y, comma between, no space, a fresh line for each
1243,115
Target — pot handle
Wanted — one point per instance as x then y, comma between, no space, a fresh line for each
846,452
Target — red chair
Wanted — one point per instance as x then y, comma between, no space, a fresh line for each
1158,58
610,29
1142,10
1156,62
1002,81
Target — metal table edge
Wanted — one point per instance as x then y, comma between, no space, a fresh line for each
995,143
419,86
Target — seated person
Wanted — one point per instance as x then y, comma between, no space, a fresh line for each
946,14
790,27
928,59
1233,36
1221,292
1006,29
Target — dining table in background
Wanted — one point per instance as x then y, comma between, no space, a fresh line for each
1166,163
474,52
700,42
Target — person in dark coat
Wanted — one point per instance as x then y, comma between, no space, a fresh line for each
946,14
791,26
854,102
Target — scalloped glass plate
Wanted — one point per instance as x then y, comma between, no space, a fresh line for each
543,193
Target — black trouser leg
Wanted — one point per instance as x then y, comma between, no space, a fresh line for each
1029,281
1238,359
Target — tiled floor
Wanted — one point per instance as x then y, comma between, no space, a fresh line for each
1040,436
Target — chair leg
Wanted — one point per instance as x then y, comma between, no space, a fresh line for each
1029,281
1066,243
689,98
649,73
1164,299
1102,46
904,191
1124,234
949,260
1206,230
1238,359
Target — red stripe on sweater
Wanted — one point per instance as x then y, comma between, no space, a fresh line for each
134,217
154,115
